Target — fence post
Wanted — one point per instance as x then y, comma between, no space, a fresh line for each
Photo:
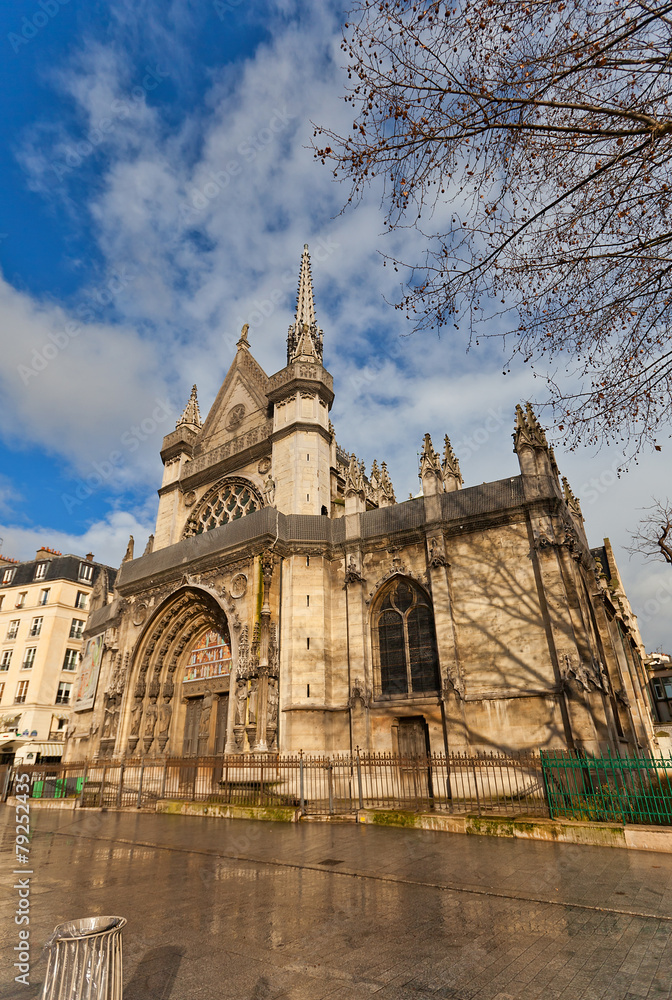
121,785
331,789
359,781
139,802
478,798
102,787
163,780
84,777
302,801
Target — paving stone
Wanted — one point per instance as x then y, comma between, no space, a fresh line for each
229,909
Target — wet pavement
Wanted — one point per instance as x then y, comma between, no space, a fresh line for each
219,909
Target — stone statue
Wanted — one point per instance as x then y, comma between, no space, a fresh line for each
252,713
165,713
136,717
149,546
129,550
107,722
241,701
272,702
150,719
268,490
204,724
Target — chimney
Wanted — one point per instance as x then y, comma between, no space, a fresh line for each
45,553
89,556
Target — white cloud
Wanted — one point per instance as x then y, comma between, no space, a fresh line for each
209,216
107,539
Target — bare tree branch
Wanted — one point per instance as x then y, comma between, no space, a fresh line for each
653,538
539,135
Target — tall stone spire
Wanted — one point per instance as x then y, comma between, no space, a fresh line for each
192,414
304,338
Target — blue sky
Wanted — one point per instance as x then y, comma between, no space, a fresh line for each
157,190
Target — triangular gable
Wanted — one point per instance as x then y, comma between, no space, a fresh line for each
240,405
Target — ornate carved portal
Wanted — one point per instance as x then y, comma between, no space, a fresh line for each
191,626
228,687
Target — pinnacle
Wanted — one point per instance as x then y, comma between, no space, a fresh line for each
192,414
304,338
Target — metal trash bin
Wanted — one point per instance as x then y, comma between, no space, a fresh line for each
84,961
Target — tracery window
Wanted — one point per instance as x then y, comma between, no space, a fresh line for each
226,501
405,641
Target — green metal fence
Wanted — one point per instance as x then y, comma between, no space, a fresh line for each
608,788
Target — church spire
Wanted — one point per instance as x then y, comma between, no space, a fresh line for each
192,414
304,339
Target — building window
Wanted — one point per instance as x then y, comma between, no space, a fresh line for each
70,661
405,641
21,599
13,629
76,629
21,692
2,689
86,572
5,659
40,571
80,600
29,657
44,596
63,693
35,626
226,501
2,597
8,575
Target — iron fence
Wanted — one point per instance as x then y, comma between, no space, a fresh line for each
341,784
608,788
555,783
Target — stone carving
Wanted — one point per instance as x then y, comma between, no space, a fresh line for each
238,585
206,710
189,498
149,547
264,466
272,713
236,416
268,491
359,693
129,550
163,723
136,718
352,574
584,674
252,708
241,702
140,612
273,652
108,721
150,720
436,555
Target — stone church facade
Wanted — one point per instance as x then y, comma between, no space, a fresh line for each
287,602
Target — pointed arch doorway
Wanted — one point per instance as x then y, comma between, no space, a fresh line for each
181,675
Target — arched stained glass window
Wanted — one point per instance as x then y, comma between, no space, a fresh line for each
405,641
226,501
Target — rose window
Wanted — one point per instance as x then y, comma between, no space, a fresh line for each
227,501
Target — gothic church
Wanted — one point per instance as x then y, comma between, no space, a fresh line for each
287,601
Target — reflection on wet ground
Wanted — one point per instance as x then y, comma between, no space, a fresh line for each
222,909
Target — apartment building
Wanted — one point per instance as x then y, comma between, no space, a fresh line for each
44,606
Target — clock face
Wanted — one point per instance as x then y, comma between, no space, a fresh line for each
236,415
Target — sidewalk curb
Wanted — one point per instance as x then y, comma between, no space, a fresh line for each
559,831
640,838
